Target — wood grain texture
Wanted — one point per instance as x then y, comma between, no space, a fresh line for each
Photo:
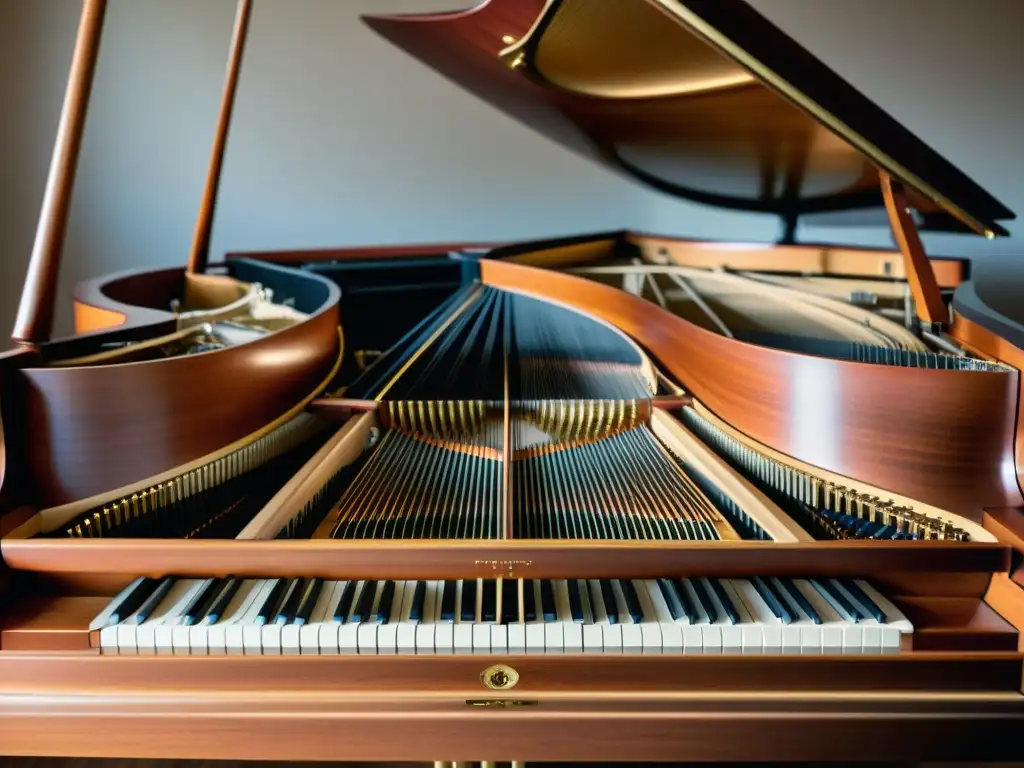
927,300
988,345
556,727
427,559
954,437
35,311
580,674
101,427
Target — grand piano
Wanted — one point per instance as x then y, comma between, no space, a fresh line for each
616,497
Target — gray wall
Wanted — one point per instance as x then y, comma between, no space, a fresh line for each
341,139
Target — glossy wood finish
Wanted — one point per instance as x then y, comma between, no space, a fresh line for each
428,559
989,345
35,312
927,300
199,253
796,137
98,428
249,724
137,298
955,435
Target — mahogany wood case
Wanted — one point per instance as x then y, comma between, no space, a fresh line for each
697,80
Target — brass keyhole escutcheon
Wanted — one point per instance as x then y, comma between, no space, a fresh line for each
499,678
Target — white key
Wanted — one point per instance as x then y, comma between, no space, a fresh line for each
108,640
462,630
632,635
572,633
792,634
830,631
593,635
535,632
650,627
328,627
145,633
431,618
765,634
217,634
348,632
517,629
499,631
366,633
853,633
554,632
181,633
387,634
321,615
896,623
444,629
671,632
252,632
750,635
693,636
405,635
712,633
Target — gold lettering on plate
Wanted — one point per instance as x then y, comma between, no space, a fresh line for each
509,566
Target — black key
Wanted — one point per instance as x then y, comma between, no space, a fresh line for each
272,601
723,598
364,604
448,601
345,603
594,596
611,605
509,601
227,594
800,599
133,600
704,598
575,604
153,600
774,603
632,600
468,610
290,604
387,598
201,603
547,601
419,595
869,608
685,601
489,601
668,591
308,600
529,601
835,598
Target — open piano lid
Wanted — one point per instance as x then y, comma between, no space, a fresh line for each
703,99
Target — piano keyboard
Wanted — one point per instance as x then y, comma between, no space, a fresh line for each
759,615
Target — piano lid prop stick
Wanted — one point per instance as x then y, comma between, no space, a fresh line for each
35,312
197,257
